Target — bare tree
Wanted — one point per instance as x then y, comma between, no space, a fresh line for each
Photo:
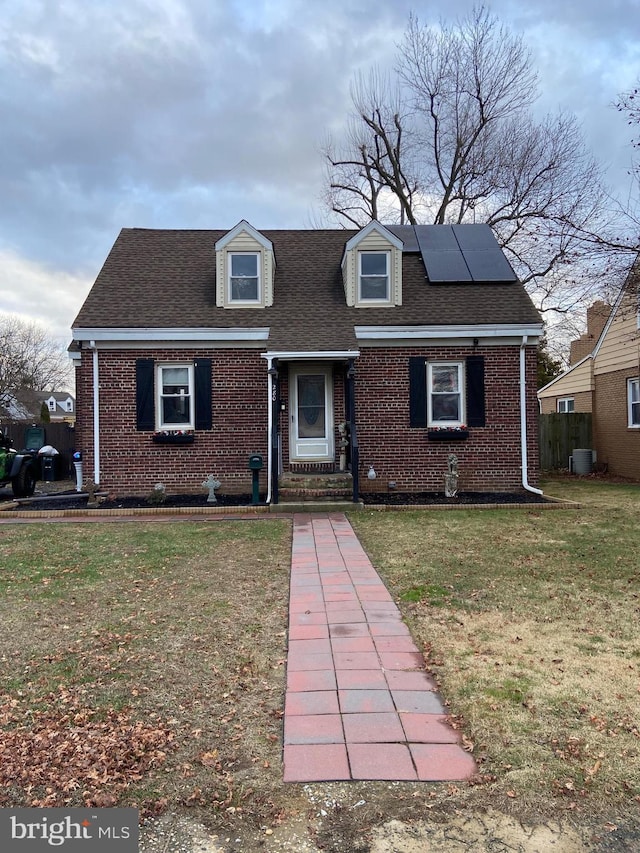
452,139
629,103
30,359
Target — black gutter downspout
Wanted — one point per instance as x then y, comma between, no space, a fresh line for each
275,424
353,432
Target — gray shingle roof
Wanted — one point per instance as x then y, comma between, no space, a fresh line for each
162,278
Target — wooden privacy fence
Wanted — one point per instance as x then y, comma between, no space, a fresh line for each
560,435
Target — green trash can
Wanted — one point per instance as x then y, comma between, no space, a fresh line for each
256,464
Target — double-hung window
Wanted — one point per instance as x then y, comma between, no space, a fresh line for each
175,388
244,277
633,401
373,277
566,405
445,403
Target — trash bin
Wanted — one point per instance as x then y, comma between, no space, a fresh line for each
53,465
48,468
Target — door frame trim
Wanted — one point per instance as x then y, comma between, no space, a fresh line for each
301,368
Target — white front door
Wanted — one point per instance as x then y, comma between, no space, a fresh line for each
311,414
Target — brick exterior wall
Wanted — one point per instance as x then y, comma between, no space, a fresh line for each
489,460
130,463
582,402
618,446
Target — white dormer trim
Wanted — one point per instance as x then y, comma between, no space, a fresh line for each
374,225
245,226
373,238
244,239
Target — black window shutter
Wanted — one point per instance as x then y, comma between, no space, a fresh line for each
145,418
417,392
203,393
475,391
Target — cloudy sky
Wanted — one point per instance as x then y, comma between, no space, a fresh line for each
199,113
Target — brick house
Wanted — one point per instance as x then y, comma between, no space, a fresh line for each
572,391
197,349
606,381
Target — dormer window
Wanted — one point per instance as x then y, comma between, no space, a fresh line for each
244,277
372,268
373,276
245,269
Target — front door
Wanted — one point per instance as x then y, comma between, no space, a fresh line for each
311,414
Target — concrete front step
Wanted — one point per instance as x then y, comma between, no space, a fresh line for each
315,482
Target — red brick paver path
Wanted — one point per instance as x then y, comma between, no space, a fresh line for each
359,703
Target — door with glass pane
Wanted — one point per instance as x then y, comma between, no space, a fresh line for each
311,414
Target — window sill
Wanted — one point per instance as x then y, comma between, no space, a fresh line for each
448,434
173,439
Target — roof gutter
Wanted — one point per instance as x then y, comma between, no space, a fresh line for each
96,414
523,420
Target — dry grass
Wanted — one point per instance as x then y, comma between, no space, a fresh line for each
169,640
530,621
180,627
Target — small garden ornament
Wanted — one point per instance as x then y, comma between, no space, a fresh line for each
212,484
451,477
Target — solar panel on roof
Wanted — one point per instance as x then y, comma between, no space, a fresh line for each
407,235
462,253
437,238
488,265
483,255
476,236
441,253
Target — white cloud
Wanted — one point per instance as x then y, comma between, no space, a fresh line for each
32,291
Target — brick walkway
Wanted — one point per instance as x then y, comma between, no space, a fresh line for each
359,703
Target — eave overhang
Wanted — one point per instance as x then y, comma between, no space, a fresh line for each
490,334
124,338
316,355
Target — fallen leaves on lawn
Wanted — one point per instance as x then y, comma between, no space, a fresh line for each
66,747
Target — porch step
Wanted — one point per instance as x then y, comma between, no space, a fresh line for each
298,488
329,482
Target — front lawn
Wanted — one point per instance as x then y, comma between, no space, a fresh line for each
143,663
530,621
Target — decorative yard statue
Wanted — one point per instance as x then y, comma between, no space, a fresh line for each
343,443
212,484
451,477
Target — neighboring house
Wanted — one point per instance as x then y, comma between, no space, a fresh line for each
61,407
198,349
572,391
606,382
27,405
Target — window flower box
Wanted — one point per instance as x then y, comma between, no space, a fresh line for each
173,437
448,433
